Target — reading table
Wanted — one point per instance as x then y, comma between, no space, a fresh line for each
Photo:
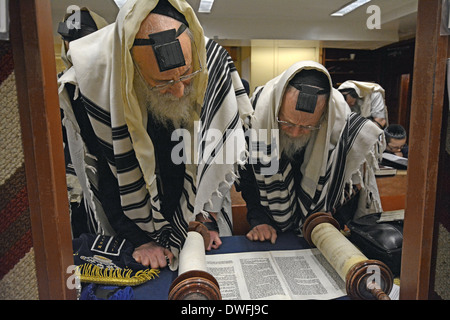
392,192
158,288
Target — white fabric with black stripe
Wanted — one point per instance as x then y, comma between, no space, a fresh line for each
103,76
341,154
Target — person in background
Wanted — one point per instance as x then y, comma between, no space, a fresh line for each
89,23
396,140
366,99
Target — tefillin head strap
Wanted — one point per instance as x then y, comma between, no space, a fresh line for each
167,48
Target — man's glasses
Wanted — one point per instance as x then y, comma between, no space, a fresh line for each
395,147
293,125
170,83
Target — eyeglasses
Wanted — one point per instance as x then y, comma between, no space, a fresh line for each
395,147
293,125
170,83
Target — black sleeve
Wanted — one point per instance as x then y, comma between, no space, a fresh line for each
110,199
108,188
256,213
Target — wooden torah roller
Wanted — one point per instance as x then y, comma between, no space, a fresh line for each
193,281
365,279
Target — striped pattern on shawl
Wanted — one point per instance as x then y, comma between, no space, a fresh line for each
119,124
333,159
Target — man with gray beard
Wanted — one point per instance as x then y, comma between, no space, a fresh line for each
165,108
325,154
131,86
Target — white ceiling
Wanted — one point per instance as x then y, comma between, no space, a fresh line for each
236,22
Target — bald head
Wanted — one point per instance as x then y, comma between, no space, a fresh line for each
154,23
144,56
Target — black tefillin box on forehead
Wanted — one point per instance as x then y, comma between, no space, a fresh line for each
311,84
167,48
307,98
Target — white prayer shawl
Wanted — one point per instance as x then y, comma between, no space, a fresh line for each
75,191
342,153
364,91
100,22
103,73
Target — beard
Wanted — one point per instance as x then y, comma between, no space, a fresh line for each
165,108
291,146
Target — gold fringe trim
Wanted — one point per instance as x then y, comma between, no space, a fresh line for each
117,277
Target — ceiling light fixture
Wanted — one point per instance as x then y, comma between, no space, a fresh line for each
205,6
349,8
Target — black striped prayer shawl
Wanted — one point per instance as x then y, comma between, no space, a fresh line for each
129,150
277,192
333,163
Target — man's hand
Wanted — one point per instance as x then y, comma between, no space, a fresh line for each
214,238
153,255
262,232
214,241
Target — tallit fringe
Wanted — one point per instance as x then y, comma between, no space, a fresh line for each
371,161
343,193
75,192
90,205
91,156
230,178
204,213
86,189
375,158
119,277
92,168
76,94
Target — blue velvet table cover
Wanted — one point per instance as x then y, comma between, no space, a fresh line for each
158,288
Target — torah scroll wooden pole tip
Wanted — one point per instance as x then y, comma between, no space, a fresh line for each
195,285
369,280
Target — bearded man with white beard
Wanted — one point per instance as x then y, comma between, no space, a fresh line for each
326,155
131,86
